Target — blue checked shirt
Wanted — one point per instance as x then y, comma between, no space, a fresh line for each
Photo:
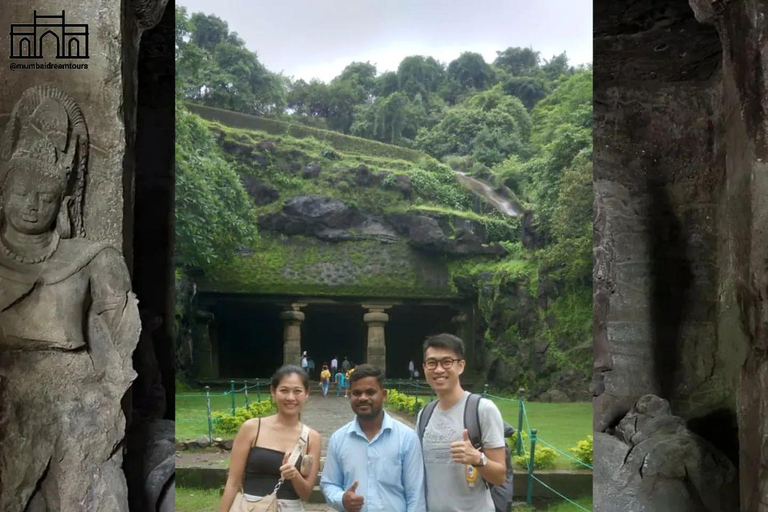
389,469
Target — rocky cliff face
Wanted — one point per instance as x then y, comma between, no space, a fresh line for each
680,221
336,223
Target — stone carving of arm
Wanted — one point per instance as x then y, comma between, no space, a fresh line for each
113,300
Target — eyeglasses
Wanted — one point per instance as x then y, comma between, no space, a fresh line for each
446,363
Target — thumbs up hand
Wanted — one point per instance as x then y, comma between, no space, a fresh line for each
463,452
288,471
352,502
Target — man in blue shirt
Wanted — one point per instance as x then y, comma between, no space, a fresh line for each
373,463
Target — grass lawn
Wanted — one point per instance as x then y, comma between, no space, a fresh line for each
192,415
562,425
197,500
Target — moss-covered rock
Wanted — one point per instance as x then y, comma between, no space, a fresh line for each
306,266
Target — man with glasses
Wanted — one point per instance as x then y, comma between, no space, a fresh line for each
456,471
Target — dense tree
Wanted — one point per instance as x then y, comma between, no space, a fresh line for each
214,67
490,126
386,84
529,89
214,215
517,61
419,75
470,70
556,66
362,74
557,179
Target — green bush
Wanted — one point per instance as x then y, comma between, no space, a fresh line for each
544,458
583,450
403,402
226,424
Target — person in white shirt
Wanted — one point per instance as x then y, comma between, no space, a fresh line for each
334,365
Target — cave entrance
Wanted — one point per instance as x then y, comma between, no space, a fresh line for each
333,330
247,334
408,326
248,337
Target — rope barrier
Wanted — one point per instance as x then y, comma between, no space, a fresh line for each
525,417
540,440
561,495
413,388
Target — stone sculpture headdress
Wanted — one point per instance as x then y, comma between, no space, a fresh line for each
47,134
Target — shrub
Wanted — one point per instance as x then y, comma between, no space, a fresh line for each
583,450
403,402
544,458
226,424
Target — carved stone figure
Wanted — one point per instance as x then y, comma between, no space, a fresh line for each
68,321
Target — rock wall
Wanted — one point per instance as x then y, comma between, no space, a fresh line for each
681,210
307,266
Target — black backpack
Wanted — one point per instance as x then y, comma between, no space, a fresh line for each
501,494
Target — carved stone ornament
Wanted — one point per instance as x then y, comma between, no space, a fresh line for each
68,321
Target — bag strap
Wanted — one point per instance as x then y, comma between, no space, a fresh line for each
472,420
253,443
295,453
256,439
426,414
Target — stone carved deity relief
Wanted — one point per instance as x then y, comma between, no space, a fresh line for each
68,321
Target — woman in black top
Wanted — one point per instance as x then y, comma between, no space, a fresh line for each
262,446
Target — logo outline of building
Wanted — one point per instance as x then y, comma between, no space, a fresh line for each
70,39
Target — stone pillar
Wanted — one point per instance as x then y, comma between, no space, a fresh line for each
203,349
376,347
292,334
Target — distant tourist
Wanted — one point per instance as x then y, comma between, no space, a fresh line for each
277,448
456,471
325,379
340,382
304,362
345,365
334,365
310,366
411,367
373,462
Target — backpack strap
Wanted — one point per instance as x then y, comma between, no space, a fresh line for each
426,414
472,420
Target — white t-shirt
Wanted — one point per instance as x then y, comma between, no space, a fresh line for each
447,488
334,363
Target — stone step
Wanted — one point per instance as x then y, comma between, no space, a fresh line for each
573,483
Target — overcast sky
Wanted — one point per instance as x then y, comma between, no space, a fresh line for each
318,38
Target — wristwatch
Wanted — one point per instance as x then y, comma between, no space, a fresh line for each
483,461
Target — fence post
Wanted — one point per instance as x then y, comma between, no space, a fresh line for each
530,467
520,406
485,391
258,391
208,405
245,387
232,392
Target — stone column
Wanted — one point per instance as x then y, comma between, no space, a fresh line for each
203,352
292,334
376,349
